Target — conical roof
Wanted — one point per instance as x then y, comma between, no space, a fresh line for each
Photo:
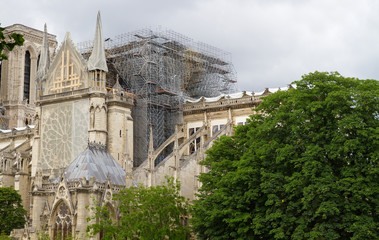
97,59
117,85
96,161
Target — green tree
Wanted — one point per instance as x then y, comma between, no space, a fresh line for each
306,168
14,39
12,214
3,236
145,213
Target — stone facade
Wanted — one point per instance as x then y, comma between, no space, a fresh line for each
18,74
70,141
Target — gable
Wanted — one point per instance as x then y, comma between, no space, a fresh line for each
68,70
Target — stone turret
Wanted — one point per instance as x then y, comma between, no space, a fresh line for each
18,85
97,63
120,125
97,67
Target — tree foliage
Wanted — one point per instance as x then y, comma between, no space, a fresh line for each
3,236
14,39
306,168
12,214
145,213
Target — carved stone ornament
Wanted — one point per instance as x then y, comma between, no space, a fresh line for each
108,196
61,191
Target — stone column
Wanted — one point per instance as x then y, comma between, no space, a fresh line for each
176,154
38,201
82,212
22,183
99,132
36,141
33,71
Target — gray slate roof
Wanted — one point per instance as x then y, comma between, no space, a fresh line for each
96,161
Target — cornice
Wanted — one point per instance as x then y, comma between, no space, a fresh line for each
127,103
28,31
65,96
221,105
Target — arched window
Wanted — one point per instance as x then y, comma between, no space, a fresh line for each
107,215
27,75
39,57
63,224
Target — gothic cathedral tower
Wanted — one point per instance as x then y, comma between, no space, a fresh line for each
18,74
82,141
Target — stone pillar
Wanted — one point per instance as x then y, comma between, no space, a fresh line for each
38,202
92,198
82,213
4,78
176,154
98,131
19,77
33,71
22,185
129,136
6,179
36,141
117,132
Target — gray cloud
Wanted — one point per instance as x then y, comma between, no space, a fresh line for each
272,42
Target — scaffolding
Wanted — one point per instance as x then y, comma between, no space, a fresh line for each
161,68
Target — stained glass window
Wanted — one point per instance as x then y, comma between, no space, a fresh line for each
63,224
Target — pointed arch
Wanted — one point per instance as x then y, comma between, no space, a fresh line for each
61,220
105,107
32,48
112,210
97,113
103,117
92,117
30,53
27,74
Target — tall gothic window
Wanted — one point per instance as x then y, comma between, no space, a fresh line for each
63,224
27,75
39,57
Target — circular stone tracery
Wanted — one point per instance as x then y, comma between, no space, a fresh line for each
64,134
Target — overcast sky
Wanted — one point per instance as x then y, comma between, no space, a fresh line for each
272,42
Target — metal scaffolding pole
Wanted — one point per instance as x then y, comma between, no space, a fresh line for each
162,68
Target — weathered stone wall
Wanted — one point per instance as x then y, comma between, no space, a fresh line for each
64,133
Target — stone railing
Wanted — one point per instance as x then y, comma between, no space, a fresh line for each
127,97
22,131
223,102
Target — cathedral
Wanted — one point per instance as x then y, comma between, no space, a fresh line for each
71,133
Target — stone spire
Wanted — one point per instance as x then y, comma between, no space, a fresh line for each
44,61
97,59
117,87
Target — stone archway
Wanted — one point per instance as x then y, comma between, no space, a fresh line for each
112,215
62,222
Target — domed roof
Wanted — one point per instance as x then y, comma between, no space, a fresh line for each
96,161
